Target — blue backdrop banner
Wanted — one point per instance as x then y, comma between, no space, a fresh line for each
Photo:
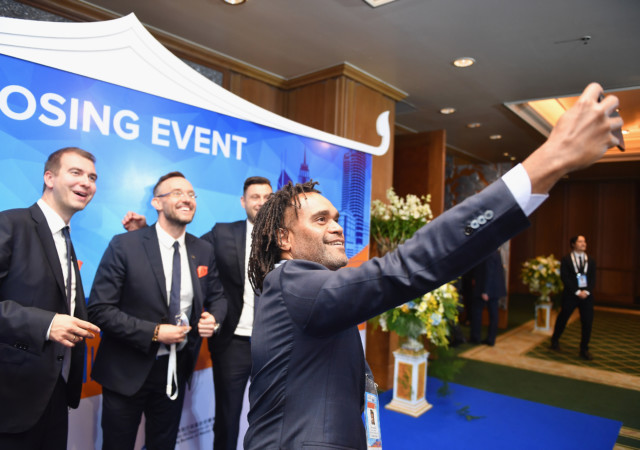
137,137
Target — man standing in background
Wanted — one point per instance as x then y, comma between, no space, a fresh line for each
578,274
231,348
488,288
42,308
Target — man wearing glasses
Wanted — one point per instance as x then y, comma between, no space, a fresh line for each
156,294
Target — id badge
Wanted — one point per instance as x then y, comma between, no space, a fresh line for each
371,415
582,280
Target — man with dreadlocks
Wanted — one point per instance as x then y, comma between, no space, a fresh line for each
308,374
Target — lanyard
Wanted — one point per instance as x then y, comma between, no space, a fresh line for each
575,263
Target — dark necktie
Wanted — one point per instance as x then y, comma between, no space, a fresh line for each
67,241
174,295
581,264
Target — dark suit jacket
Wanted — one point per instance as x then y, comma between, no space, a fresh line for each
229,240
31,293
489,277
129,298
308,364
570,280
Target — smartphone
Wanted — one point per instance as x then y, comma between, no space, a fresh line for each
617,133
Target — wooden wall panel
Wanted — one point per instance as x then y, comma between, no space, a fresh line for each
257,92
419,166
606,213
314,105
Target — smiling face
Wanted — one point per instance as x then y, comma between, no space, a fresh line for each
174,205
71,187
253,199
315,235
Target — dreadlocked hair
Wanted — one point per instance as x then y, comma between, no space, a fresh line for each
270,220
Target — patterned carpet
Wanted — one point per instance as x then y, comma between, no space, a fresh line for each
614,343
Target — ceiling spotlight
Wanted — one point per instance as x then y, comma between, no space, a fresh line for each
505,154
464,61
447,110
495,137
513,158
474,125
234,2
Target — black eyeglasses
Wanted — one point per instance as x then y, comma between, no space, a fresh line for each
179,194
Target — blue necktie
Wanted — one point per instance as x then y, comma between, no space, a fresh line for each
174,295
67,241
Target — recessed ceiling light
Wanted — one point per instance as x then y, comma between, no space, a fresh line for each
495,137
448,110
513,158
474,125
234,2
464,61
505,154
625,131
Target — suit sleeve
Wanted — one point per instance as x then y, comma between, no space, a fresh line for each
323,302
568,275
215,301
19,324
591,277
104,301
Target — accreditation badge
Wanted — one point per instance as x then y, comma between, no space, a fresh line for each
371,415
582,280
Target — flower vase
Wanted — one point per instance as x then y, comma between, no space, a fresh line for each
542,320
410,379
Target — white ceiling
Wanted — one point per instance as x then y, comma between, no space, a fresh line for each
524,50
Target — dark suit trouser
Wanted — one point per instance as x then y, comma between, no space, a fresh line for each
121,414
231,371
477,305
49,432
586,319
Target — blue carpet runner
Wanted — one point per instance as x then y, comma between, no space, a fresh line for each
504,423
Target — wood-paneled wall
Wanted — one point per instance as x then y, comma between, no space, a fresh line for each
419,166
606,212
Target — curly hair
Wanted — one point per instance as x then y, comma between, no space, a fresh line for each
265,242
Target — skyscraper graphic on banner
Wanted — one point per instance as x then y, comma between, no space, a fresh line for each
354,167
284,177
303,174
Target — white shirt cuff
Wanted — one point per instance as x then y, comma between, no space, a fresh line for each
519,184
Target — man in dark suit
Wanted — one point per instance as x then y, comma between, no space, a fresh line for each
489,287
578,274
147,280
308,374
42,308
231,348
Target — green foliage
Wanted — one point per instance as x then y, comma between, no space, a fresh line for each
394,222
464,412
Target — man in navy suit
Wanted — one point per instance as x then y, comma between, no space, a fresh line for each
308,374
42,308
231,348
146,281
489,287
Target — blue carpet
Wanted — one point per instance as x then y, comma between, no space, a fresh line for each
506,423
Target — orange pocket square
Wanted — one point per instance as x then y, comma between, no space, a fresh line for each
202,271
79,264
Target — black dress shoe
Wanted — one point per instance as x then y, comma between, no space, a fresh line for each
555,346
488,342
586,354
